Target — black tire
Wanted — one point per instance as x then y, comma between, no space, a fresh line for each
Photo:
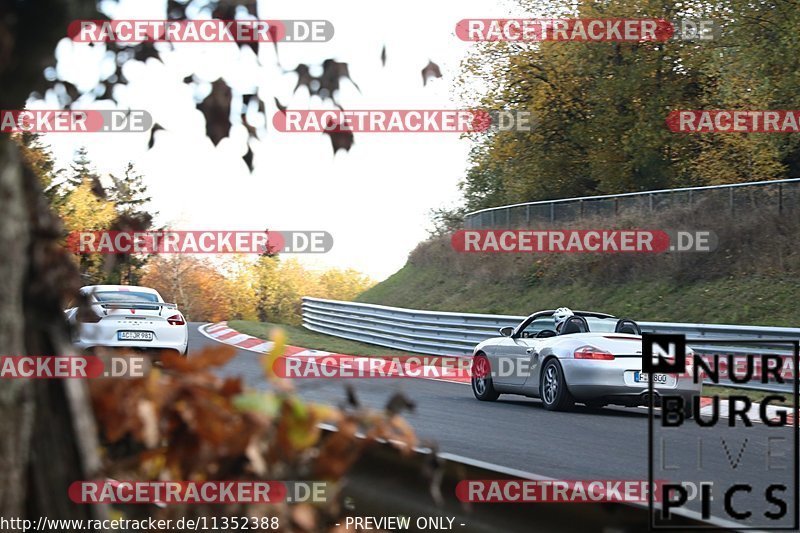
553,389
482,386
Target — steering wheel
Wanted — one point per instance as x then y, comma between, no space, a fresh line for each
546,333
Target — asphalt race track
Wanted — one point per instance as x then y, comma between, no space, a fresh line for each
518,433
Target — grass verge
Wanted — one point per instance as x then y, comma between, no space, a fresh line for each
299,336
753,300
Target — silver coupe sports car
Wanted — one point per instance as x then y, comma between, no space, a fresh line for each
591,358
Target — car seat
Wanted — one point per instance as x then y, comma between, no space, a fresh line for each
626,325
575,324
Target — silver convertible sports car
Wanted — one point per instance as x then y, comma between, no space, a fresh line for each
594,359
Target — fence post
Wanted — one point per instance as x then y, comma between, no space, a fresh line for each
581,204
650,199
528,216
492,212
552,212
508,217
780,198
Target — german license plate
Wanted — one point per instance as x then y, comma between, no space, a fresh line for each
644,377
135,335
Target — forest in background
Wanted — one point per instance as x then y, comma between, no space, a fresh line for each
600,108
268,288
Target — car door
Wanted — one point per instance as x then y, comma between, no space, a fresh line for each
516,355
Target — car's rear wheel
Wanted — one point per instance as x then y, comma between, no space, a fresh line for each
482,386
553,387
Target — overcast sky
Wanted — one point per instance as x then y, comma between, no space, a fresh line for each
374,200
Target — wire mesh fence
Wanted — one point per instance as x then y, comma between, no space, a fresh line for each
778,196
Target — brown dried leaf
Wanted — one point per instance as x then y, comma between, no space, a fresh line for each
430,71
217,110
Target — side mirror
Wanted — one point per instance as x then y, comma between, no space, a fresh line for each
507,331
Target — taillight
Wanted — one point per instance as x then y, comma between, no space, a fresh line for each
590,352
176,320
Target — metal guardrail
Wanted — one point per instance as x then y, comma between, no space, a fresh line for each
443,333
779,196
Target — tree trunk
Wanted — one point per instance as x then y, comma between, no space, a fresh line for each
47,434
16,396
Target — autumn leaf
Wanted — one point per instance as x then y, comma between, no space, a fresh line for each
430,71
216,108
278,337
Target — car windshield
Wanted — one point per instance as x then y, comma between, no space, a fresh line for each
125,296
597,325
539,324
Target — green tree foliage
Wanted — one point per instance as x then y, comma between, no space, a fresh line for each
83,203
600,107
129,194
39,159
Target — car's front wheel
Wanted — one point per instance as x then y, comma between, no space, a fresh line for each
482,386
553,387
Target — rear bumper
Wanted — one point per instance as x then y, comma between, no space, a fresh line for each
606,380
180,348
165,338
